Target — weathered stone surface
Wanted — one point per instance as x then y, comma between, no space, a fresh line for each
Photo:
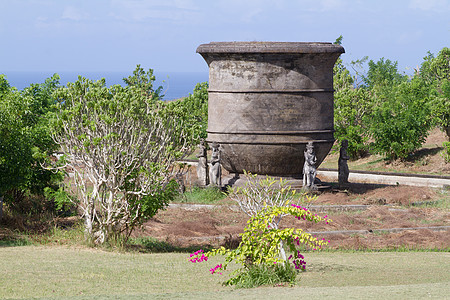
309,167
215,171
202,165
267,100
343,170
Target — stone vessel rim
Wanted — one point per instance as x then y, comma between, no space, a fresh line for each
270,47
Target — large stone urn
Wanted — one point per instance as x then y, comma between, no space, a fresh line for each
267,100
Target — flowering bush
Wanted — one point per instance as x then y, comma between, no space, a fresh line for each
262,243
198,256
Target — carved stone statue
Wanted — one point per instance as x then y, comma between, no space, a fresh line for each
309,168
215,172
343,170
202,165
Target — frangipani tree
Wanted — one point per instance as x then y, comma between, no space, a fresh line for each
120,145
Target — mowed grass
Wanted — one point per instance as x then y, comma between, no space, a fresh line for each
80,273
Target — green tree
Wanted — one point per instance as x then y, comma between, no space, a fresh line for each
144,80
435,72
383,73
400,121
351,105
25,143
193,110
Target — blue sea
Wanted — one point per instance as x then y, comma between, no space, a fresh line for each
175,84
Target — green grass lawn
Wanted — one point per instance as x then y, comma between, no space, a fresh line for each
208,195
80,273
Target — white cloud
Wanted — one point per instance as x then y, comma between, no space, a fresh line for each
410,37
139,11
42,19
73,13
431,5
320,5
290,5
250,15
328,5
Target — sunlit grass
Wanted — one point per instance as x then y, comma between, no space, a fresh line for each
84,273
208,195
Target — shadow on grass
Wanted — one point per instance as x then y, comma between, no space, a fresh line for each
153,245
361,188
13,242
356,187
422,153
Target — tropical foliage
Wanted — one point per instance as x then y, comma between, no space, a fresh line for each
25,141
387,112
121,144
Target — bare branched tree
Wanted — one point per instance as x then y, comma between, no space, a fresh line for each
121,145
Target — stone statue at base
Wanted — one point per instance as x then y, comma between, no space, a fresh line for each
202,165
309,168
343,170
215,172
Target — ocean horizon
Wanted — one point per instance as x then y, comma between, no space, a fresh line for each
175,84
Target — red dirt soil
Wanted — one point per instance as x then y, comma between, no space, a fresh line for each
222,224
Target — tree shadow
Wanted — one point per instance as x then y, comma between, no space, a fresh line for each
321,267
13,242
422,153
355,187
362,188
9,238
153,245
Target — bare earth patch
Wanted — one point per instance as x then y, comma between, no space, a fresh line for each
377,194
387,208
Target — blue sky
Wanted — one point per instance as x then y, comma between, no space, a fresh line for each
115,35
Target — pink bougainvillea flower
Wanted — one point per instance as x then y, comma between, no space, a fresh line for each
213,270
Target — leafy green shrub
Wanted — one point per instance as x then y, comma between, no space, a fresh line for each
391,109
446,152
193,110
258,275
26,143
400,121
